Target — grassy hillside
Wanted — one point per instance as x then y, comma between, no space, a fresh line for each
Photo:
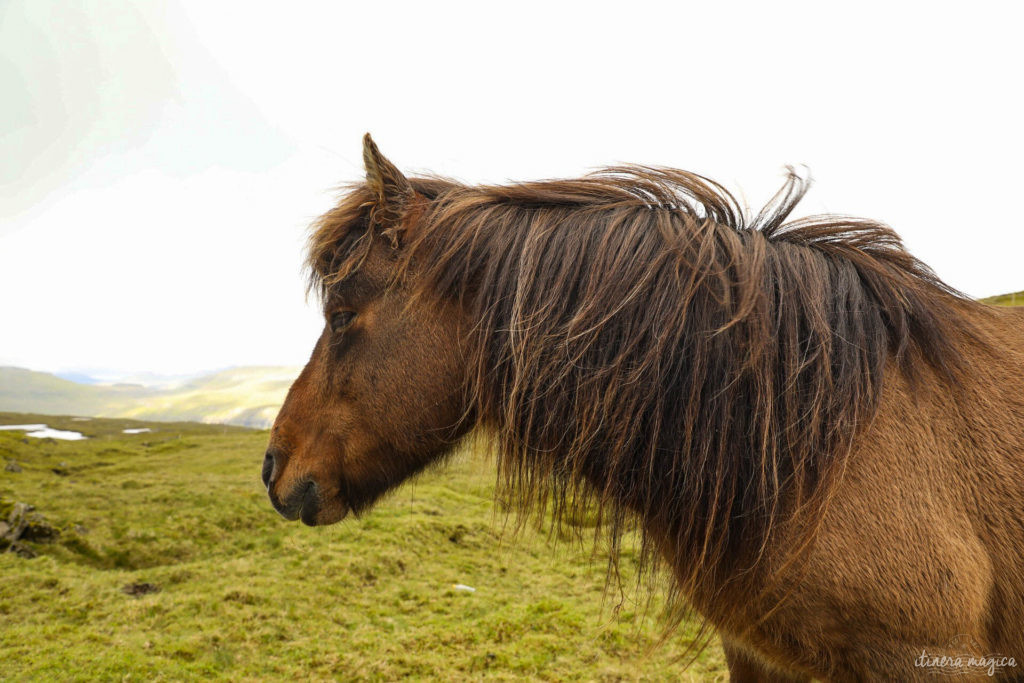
28,391
171,565
1011,299
247,396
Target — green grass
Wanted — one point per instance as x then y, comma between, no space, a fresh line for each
245,595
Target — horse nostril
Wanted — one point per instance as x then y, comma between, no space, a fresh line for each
268,468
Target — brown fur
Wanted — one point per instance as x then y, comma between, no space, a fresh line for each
822,440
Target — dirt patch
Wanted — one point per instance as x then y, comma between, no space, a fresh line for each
141,588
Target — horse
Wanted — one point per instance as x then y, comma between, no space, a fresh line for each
820,440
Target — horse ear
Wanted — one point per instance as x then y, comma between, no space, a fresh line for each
392,190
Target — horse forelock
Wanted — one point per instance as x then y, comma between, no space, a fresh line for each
340,240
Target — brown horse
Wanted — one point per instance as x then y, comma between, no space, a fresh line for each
823,441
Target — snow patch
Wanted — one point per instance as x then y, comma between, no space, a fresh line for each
43,432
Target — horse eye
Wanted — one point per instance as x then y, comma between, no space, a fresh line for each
341,320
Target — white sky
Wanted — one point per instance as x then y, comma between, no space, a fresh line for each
161,161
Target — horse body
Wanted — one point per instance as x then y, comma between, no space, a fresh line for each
919,550
822,441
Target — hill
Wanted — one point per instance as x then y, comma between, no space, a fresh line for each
169,564
40,392
1011,299
248,396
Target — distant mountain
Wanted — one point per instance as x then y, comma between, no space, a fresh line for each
40,392
77,377
247,396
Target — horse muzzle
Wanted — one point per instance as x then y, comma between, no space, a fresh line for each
303,502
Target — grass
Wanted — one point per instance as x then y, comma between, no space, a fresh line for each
240,594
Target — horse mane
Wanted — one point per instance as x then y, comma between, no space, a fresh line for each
641,346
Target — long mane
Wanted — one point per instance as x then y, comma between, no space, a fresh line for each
643,347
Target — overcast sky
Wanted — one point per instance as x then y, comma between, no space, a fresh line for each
160,161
